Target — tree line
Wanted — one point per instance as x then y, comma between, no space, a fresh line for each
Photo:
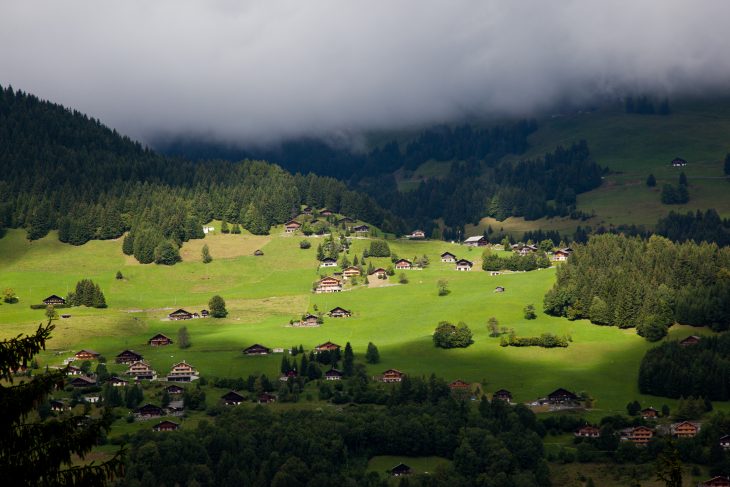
649,284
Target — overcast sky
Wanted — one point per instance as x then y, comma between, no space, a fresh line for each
258,71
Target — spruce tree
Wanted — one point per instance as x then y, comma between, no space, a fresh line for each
205,254
372,356
40,453
651,181
224,227
348,363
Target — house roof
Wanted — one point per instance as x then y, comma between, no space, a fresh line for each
476,238
159,336
328,259
233,396
129,352
180,312
339,310
458,383
447,253
378,270
400,468
464,262
54,297
403,260
328,345
393,371
292,223
166,422
333,373
562,392
87,351
255,346
503,392
351,268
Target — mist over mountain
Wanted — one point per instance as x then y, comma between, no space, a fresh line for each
258,72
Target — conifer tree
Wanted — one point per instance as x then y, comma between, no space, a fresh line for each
205,254
348,363
372,356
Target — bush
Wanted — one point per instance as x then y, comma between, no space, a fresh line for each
402,278
379,248
447,335
305,244
217,307
546,340
529,311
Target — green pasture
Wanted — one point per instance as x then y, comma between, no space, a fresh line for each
264,293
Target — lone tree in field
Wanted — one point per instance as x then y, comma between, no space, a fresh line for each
40,452
450,336
493,326
119,276
51,313
651,181
372,356
529,311
402,278
443,287
205,254
217,307
9,296
183,337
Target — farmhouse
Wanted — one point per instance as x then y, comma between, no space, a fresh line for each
392,375
339,313
204,313
159,340
266,398
82,381
448,257
232,398
685,429
464,265
333,374
351,271
417,235
560,397
380,273
182,372
361,229
690,340
588,431
117,381
476,241
725,442
141,371
87,355
54,300
503,395
326,347
328,262
561,255
180,314
58,406
309,320
459,384
403,264
649,413
292,226
128,357
325,212
679,162
149,411
256,349
307,210
73,370
641,435
526,249
328,285
401,469
344,220
174,389
166,425
715,482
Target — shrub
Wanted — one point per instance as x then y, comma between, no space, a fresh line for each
305,244
447,335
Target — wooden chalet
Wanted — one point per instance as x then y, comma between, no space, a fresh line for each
351,271
588,431
725,442
339,313
141,371
328,285
641,435
128,357
503,395
459,385
86,355
448,257
307,210
59,406
464,265
476,241
292,374
400,470
527,249
561,255
715,482
685,429
690,340
182,372
417,235
380,273
326,212
499,289
392,375
266,398
361,229
328,262
149,411
403,264
292,226
82,381
561,396
204,313
345,220
232,398
159,340
174,389
166,425
54,300
309,320
679,162
333,374
649,413
73,370
117,381
256,349
180,314
326,347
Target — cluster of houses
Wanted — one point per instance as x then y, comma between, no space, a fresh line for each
558,255
293,225
642,435
461,264
182,314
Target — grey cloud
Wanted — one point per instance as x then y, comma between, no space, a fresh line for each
259,71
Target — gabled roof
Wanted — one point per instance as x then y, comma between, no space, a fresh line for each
503,392
327,346
351,268
85,350
458,383
378,270
393,371
400,469
233,396
159,336
129,352
54,298
328,259
476,238
563,392
180,312
255,346
402,260
447,253
292,222
338,309
333,373
309,316
165,423
464,262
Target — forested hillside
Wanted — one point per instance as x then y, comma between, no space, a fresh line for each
648,284
63,170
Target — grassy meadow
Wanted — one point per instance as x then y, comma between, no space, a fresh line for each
264,293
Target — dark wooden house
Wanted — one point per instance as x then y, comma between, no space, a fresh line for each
561,396
87,355
333,374
166,425
503,395
256,349
54,300
339,313
400,470
180,314
159,340
232,398
82,381
149,411
128,357
174,389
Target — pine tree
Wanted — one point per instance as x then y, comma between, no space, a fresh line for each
128,244
224,227
348,364
372,356
183,337
205,254
651,181
46,448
